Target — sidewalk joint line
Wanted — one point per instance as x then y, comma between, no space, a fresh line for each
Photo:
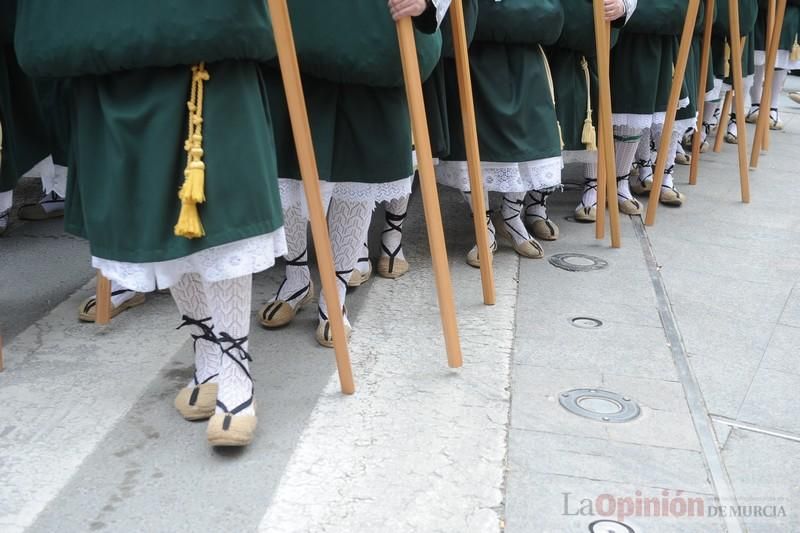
756,428
694,396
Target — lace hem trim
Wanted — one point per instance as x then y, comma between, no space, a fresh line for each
782,61
579,156
538,175
293,194
219,263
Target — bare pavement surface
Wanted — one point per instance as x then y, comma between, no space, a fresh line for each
695,320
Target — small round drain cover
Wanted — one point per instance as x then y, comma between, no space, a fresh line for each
586,322
609,526
578,262
601,405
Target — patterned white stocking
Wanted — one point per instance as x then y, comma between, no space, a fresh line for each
229,303
298,277
189,296
626,142
511,211
347,221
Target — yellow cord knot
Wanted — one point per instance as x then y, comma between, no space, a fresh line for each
795,54
192,191
589,134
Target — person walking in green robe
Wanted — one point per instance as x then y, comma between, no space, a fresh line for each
172,172
353,85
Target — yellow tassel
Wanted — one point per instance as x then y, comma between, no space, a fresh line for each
589,135
560,135
189,224
727,59
192,191
795,55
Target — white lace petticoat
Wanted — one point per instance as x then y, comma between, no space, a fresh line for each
293,194
539,175
640,122
579,156
227,261
782,61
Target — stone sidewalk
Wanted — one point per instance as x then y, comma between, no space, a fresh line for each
699,323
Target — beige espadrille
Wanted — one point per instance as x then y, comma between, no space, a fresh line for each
198,402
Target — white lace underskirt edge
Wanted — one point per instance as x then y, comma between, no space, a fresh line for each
637,121
293,194
227,261
782,61
579,156
538,175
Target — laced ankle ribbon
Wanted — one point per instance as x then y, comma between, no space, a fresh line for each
394,222
236,344
192,192
207,335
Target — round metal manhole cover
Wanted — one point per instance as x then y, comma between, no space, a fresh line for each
600,405
578,262
586,322
609,526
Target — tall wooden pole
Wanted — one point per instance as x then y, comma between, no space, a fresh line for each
772,7
102,300
290,72
769,79
672,109
705,59
473,152
430,195
738,91
606,161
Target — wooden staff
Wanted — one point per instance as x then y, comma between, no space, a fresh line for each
290,73
770,27
473,152
430,196
738,89
762,128
672,109
606,161
724,119
705,59
102,300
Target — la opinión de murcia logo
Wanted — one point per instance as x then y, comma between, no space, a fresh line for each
667,505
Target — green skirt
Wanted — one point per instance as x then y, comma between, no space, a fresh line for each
128,132
572,94
641,73
513,104
789,31
361,134
718,45
435,92
25,140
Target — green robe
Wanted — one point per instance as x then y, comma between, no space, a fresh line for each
25,136
748,12
641,73
513,104
24,132
128,131
789,31
361,133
